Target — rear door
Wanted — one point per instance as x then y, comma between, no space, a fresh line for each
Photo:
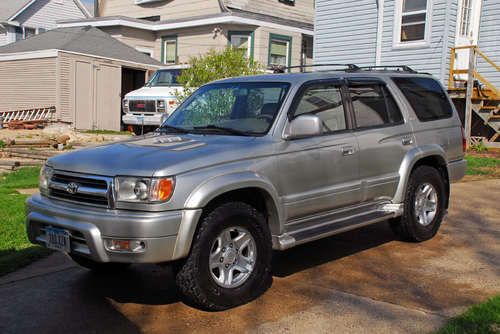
383,135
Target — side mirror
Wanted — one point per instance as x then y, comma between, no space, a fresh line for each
303,126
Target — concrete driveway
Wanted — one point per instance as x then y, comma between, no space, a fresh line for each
357,282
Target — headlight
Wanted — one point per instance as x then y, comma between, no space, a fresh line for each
44,179
140,190
160,103
125,103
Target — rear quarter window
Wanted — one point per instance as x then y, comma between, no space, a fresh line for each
426,97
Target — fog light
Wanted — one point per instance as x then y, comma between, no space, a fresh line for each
120,245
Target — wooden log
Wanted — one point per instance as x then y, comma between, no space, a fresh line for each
44,142
7,163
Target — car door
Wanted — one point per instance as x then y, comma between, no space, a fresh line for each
320,173
383,135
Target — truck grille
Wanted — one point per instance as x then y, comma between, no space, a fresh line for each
142,106
92,190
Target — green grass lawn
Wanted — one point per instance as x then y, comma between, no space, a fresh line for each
479,319
15,249
482,165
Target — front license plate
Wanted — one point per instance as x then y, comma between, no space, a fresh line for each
57,239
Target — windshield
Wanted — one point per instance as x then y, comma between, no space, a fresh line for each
242,108
165,78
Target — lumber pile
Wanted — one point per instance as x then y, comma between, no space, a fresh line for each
27,125
12,165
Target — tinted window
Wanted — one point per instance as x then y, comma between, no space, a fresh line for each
426,97
373,106
324,101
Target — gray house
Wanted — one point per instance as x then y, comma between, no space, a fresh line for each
434,36
20,19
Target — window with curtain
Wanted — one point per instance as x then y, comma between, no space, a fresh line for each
413,20
170,50
279,51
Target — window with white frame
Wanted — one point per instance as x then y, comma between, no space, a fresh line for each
169,55
243,42
465,18
412,21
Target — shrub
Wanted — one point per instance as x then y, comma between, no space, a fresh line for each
215,65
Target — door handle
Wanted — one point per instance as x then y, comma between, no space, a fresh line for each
347,150
407,140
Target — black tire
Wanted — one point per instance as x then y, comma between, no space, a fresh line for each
98,267
407,226
194,279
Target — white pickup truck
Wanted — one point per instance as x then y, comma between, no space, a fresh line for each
148,106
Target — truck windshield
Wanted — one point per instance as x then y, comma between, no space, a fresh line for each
165,78
241,108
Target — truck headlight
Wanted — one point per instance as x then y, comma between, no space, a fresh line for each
44,179
160,105
125,106
140,190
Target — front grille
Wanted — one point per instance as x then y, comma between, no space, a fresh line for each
92,190
142,106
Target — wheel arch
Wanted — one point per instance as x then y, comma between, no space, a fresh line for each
429,155
247,187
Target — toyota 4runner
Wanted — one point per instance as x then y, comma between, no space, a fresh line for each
251,164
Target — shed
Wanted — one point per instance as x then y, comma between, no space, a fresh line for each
82,71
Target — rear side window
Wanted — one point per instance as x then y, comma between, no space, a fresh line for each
426,97
373,106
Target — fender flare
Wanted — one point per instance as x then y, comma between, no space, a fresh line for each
409,161
209,190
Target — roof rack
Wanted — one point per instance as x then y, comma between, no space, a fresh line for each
397,68
346,67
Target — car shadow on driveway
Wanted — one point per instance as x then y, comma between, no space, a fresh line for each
155,285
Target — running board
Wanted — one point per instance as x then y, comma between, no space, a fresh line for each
327,229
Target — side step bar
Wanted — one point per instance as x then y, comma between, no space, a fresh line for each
327,229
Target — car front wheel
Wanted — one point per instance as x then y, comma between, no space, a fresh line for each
230,260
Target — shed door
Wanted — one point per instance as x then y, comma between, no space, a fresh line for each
108,101
83,95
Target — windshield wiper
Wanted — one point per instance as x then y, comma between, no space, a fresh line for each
223,129
167,128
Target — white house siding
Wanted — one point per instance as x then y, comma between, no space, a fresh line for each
489,40
45,13
4,37
345,32
425,59
26,84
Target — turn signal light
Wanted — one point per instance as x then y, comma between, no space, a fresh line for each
162,189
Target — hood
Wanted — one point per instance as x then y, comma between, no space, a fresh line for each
157,92
160,155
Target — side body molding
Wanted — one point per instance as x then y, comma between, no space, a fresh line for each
409,161
214,187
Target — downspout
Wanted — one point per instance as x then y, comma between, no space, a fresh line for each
96,8
223,6
380,31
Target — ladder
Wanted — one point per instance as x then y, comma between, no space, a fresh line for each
35,114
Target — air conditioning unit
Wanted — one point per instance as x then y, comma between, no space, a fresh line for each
141,2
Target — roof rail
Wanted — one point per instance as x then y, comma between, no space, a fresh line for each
346,67
397,68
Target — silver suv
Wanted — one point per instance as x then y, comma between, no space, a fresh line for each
251,164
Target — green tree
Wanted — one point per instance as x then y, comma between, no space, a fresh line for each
215,65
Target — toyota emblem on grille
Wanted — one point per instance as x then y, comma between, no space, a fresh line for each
72,188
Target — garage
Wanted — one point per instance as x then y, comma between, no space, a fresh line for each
82,72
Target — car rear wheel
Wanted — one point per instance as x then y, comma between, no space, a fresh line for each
230,260
424,206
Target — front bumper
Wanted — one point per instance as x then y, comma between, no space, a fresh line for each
147,120
89,226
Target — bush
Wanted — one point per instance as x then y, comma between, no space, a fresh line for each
215,65
2,144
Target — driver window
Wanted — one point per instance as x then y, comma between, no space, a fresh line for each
324,101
